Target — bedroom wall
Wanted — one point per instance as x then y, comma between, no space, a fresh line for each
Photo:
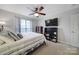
64,31
65,27
12,20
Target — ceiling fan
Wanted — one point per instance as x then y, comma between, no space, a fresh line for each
37,11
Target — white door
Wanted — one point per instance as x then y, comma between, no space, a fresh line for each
75,30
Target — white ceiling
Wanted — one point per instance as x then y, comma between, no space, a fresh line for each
50,9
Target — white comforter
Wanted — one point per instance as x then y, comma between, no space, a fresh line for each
29,40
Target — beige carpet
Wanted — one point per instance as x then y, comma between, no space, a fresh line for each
52,48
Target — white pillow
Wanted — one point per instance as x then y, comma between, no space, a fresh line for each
14,36
9,34
6,39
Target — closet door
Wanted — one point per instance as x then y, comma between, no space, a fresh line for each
75,30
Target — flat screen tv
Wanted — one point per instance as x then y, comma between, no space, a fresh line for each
52,22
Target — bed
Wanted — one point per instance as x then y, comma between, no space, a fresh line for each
28,43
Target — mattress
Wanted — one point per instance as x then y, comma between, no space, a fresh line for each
30,36
29,39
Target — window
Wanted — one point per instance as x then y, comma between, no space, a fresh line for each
26,26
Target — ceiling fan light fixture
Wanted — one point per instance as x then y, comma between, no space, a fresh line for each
36,14
37,11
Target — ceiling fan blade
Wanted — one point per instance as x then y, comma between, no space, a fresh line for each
32,14
42,13
30,9
36,9
41,8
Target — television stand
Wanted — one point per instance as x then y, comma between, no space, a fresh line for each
51,34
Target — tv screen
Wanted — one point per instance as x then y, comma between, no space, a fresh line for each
50,30
52,22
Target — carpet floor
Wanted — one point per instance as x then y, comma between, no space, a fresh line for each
52,48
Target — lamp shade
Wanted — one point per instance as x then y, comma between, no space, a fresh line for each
36,14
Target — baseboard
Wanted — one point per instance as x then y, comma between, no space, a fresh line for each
73,45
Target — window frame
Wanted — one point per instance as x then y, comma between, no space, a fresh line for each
26,29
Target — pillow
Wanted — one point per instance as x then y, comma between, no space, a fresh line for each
13,35
1,42
20,36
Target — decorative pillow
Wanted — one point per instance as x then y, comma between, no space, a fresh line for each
13,35
20,36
